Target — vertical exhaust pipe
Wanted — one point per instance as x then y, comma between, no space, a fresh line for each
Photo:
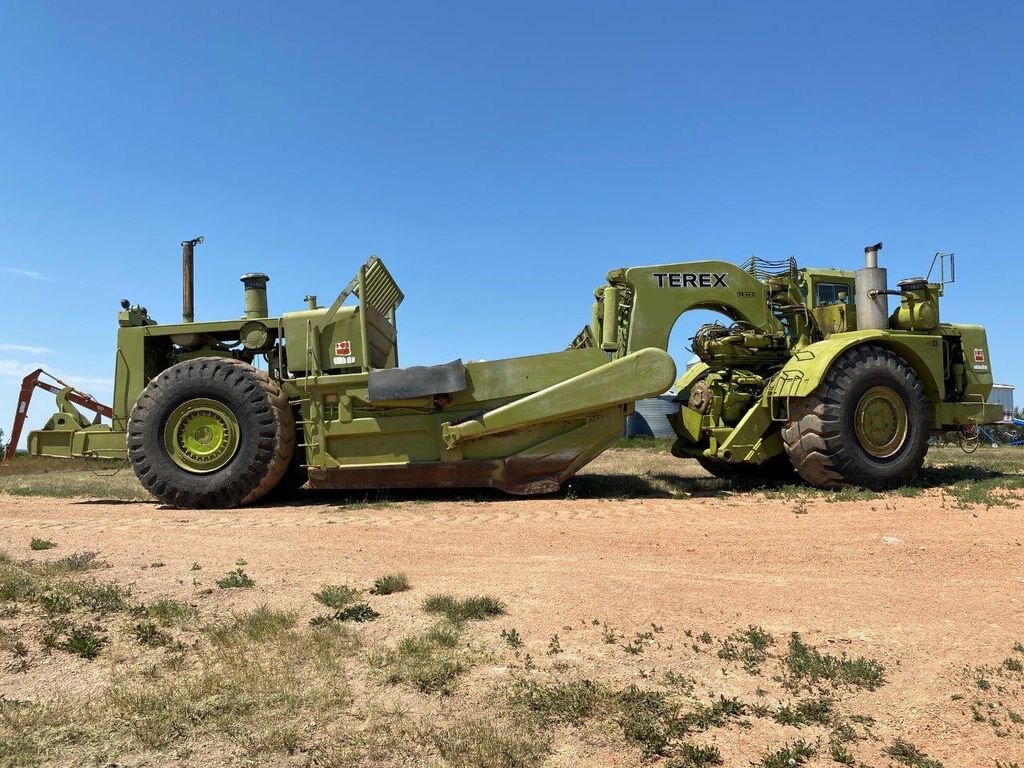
871,255
188,286
255,284
871,289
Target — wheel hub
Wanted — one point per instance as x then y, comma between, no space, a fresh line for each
201,435
881,422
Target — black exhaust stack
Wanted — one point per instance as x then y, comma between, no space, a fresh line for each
188,287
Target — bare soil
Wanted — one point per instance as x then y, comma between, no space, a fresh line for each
932,589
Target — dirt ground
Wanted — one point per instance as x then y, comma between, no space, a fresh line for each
933,590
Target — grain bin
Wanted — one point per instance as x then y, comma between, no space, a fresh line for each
651,417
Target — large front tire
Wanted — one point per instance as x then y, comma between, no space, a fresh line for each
211,432
866,424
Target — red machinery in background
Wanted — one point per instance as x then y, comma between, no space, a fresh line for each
67,398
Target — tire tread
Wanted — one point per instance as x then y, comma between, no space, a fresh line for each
819,446
274,444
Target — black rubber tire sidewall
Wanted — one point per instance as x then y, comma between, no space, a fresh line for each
860,467
213,379
820,437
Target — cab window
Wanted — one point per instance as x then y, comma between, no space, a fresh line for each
828,293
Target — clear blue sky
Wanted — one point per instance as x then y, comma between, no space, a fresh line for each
501,158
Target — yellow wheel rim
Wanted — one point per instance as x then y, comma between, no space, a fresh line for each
881,422
201,435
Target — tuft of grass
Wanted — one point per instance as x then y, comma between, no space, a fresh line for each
468,609
679,682
102,597
39,545
757,638
336,595
807,665
512,638
749,647
82,640
639,643
236,579
148,633
55,601
845,732
840,754
390,583
359,613
1014,665
168,612
655,723
429,662
695,756
649,719
714,714
560,702
490,744
819,711
906,753
259,625
16,585
76,562
97,597
797,753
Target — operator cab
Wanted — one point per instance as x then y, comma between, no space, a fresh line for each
830,295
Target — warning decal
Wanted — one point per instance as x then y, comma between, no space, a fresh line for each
343,353
979,359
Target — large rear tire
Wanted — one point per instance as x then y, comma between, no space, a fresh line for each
211,432
866,424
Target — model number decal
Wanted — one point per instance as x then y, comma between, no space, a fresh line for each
690,279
